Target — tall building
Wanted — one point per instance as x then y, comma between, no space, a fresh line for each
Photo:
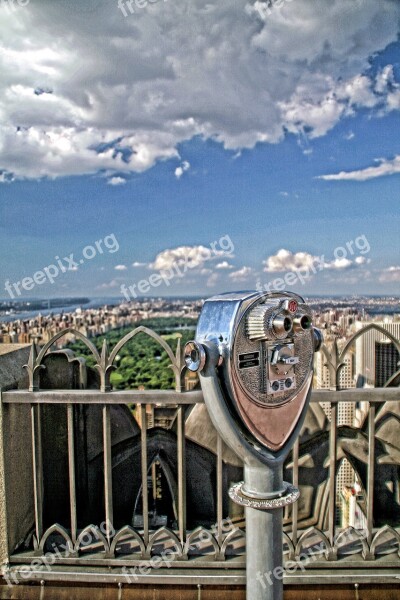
366,357
322,377
346,376
346,410
353,507
387,361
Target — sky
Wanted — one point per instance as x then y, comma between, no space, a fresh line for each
181,147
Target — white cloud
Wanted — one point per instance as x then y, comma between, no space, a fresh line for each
179,171
384,79
285,260
393,100
138,264
6,177
384,167
243,274
223,265
358,91
116,181
338,264
189,257
391,274
342,264
126,92
120,267
361,260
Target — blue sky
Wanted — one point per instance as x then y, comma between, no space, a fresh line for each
307,174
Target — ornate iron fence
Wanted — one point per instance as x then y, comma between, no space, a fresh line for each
316,547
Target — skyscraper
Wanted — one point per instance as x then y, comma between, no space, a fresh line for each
366,357
387,361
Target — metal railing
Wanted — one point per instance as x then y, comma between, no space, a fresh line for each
318,553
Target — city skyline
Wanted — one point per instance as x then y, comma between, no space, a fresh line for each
373,357
112,129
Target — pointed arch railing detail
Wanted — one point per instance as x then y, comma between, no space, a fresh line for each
335,357
330,539
104,360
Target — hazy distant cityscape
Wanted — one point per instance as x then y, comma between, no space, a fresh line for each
11,310
339,318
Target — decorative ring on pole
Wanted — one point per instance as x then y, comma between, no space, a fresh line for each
291,495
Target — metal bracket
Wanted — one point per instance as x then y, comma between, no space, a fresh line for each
289,495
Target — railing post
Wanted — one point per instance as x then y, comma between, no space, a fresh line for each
371,471
332,474
71,471
143,454
37,460
4,550
108,493
181,476
295,481
219,490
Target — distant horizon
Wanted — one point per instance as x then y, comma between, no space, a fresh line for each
381,305
193,297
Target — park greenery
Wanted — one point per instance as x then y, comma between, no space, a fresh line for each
142,363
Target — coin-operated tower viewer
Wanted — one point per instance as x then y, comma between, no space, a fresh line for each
254,354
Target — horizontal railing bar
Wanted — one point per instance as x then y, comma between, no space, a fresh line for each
193,562
171,397
97,397
204,577
348,563
378,395
112,577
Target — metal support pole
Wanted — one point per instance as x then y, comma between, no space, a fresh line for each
265,495
264,553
